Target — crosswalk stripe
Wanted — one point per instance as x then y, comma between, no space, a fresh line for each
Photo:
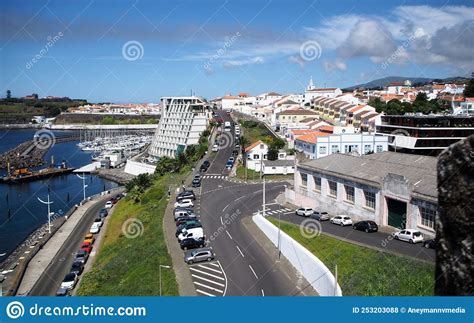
212,264
204,273
211,269
286,209
204,293
209,287
208,280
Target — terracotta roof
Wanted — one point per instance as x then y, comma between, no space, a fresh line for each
298,112
230,97
327,128
468,99
312,137
356,108
438,87
252,146
300,132
273,94
308,120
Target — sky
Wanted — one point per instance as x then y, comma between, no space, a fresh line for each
138,51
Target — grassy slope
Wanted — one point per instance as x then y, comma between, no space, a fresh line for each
367,272
127,266
256,133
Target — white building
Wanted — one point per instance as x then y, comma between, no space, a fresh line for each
320,144
257,152
278,167
312,92
183,119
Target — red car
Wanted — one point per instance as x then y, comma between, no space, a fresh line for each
86,246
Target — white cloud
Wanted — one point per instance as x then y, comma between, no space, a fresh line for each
242,62
330,66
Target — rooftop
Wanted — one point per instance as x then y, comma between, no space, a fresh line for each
297,112
276,163
419,171
252,146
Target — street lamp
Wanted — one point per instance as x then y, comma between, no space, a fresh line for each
48,202
83,177
161,284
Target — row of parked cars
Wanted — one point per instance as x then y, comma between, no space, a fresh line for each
408,235
189,230
82,255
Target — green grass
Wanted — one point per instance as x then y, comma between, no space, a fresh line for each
126,266
258,132
366,272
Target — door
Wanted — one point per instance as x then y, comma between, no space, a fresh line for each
397,213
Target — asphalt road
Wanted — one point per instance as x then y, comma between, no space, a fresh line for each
50,281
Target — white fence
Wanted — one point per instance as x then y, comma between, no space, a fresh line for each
313,269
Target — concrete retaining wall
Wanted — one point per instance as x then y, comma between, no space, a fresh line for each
136,168
313,269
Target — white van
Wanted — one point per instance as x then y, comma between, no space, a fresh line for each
227,126
195,233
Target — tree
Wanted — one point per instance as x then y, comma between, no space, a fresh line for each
469,89
165,165
9,94
277,144
272,154
143,181
421,97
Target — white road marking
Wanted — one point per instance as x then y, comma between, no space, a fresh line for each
240,251
229,234
289,212
222,222
271,203
223,210
263,293
253,271
212,264
287,209
205,293
209,287
208,280
204,273
211,269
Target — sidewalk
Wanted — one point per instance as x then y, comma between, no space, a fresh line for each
43,258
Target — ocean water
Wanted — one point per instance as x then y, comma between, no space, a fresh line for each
20,210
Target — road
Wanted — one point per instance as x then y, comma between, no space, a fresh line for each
50,281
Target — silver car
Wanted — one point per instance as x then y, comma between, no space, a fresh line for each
198,255
321,216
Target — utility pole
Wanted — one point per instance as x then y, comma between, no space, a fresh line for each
161,284
83,177
48,203
263,201
335,280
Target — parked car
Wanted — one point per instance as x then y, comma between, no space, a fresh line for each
103,213
109,204
187,225
77,267
69,281
82,256
229,165
184,219
204,166
196,181
409,235
188,194
304,211
198,255
191,243
430,244
95,228
86,247
184,203
183,213
89,238
237,146
215,148
342,220
235,152
195,233
62,291
231,159
99,221
320,216
367,226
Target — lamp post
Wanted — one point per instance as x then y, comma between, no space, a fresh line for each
48,203
161,284
83,177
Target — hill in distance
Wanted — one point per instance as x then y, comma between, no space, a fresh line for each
389,79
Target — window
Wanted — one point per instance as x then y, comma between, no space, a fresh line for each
369,200
304,179
351,148
334,149
379,148
367,149
256,156
323,150
332,188
349,193
428,217
317,183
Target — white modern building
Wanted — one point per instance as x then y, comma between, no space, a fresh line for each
257,153
183,119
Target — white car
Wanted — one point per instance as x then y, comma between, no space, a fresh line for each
409,235
69,281
215,148
95,228
99,221
109,205
184,203
304,211
342,220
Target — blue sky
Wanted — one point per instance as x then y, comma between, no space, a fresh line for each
138,51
